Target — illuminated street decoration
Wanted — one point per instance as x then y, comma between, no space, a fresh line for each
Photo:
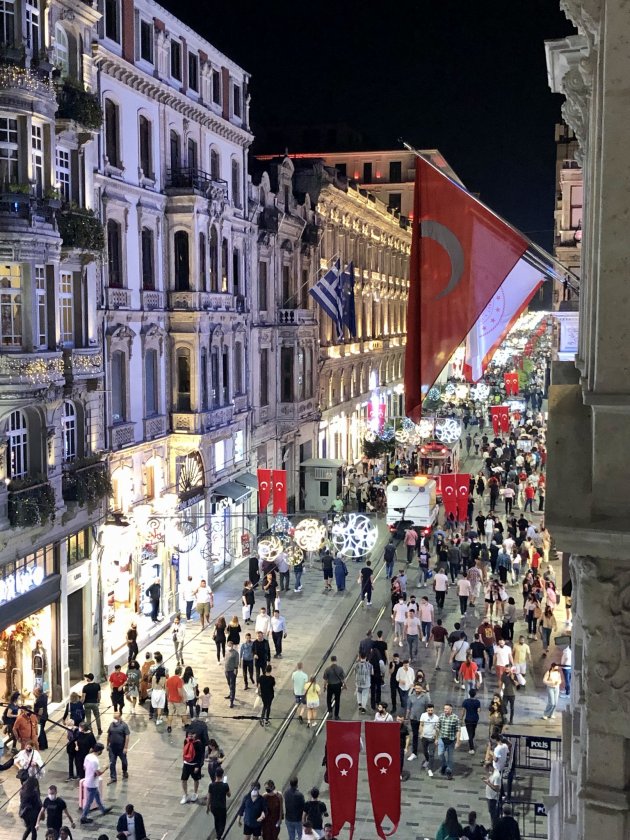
480,392
270,548
448,430
354,537
310,534
281,524
294,554
434,394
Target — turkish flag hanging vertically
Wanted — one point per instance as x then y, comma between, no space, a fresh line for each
515,385
279,479
449,493
460,255
264,489
507,381
462,488
382,747
343,740
504,418
494,413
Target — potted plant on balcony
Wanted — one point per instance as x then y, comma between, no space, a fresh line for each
53,197
86,481
81,228
78,104
31,502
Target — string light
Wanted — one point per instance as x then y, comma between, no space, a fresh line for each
12,76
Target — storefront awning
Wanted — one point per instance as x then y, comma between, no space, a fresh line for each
231,490
248,480
335,463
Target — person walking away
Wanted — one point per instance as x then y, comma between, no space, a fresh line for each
565,664
188,592
91,698
458,656
191,692
30,805
365,579
294,803
40,710
463,592
389,556
72,735
473,830
204,602
341,573
362,676
334,682
552,681
132,642
410,540
230,665
117,680
278,632
311,695
439,635
220,627
158,692
470,717
179,632
450,829
247,661
145,676
469,676
90,784
117,745
192,762
266,686
454,560
493,794
282,564
315,811
132,686
218,793
448,731
440,587
176,699
248,599
299,678
506,827
327,570
85,741
154,593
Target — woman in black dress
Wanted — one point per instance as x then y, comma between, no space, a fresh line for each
30,805
219,636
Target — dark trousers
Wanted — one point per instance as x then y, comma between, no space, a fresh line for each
220,818
508,506
284,581
189,609
454,570
366,592
73,765
277,642
266,707
509,701
155,610
260,665
472,730
375,691
428,749
395,695
132,651
248,671
439,599
117,751
333,698
80,758
270,601
529,503
415,733
29,817
493,810
118,699
220,643
230,676
463,604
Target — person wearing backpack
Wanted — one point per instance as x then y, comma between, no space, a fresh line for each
72,736
192,755
8,718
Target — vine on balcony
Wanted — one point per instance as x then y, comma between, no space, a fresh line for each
76,103
31,502
87,482
81,228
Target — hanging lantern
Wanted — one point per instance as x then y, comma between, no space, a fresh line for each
448,430
270,548
294,554
310,534
355,537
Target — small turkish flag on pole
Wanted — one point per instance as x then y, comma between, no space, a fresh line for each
279,478
383,752
494,413
342,760
463,488
264,489
449,493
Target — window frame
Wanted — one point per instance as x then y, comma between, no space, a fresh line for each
41,304
109,27
175,50
151,360
115,273
145,146
17,444
66,308
119,358
193,71
69,432
111,113
143,26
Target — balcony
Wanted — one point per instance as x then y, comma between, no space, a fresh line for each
296,411
122,434
86,481
31,502
80,106
200,422
201,301
81,229
39,369
152,300
189,180
240,404
20,210
25,88
154,427
118,298
83,364
295,317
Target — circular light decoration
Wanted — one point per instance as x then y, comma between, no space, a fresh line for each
310,534
434,394
461,392
355,537
270,548
480,392
402,436
370,436
294,554
448,430
425,428
387,434
449,388
408,424
237,539
281,524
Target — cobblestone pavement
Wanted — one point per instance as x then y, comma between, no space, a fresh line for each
317,623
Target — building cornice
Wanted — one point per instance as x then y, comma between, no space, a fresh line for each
333,199
137,80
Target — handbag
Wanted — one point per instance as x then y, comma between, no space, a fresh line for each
463,733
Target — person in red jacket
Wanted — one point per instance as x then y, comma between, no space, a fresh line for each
530,494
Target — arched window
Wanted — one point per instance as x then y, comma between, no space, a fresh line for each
183,380
236,183
176,151
10,305
119,387
150,383
114,254
146,150
215,165
17,442
202,263
214,260
148,265
224,264
61,51
191,154
238,368
69,431
182,265
112,133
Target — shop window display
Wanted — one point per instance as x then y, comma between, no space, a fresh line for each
25,655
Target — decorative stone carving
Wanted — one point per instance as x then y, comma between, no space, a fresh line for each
575,108
586,15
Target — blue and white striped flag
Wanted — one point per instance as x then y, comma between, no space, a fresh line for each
328,294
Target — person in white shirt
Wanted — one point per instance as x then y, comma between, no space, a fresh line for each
440,587
179,633
428,728
399,614
502,659
458,655
278,632
508,545
412,633
500,754
426,619
382,715
464,590
566,664
282,564
263,623
405,679
205,602
188,593
92,773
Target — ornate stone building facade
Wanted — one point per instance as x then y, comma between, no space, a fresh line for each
589,427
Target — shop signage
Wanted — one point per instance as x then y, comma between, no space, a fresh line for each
245,545
193,500
538,744
20,582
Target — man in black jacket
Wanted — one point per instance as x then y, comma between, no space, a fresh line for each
293,809
154,593
262,654
506,827
131,821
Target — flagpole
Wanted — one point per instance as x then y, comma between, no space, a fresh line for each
535,259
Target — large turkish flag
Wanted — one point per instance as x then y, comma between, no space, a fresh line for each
279,478
460,255
343,740
462,481
264,489
449,493
382,747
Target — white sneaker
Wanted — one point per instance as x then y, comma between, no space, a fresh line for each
430,773
471,752
183,800
400,644
194,797
411,757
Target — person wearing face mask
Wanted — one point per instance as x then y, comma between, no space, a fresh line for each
27,758
53,809
251,814
274,811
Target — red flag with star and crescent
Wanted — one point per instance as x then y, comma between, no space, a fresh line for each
279,478
460,255
382,747
264,489
343,740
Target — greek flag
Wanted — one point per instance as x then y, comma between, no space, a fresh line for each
328,294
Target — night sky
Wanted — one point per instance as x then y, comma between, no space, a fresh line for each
465,76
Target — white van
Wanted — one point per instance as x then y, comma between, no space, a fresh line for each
412,500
